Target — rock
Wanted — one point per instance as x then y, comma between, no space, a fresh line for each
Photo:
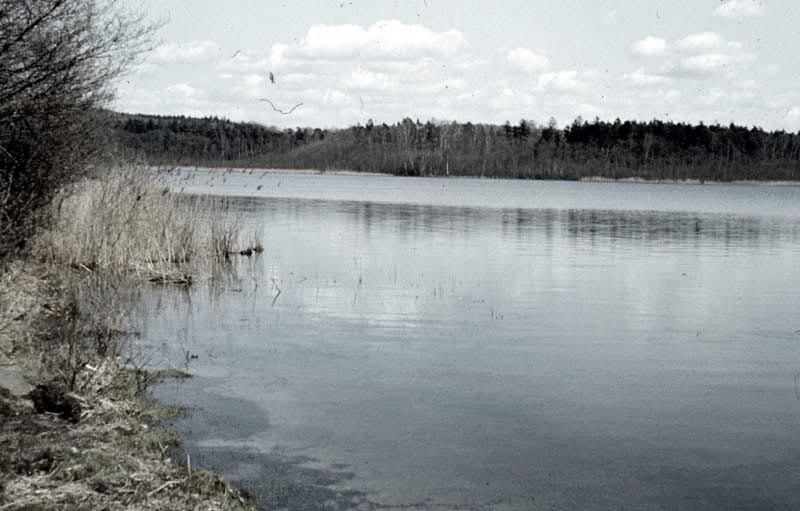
16,381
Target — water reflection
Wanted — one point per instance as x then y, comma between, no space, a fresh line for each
524,224
399,355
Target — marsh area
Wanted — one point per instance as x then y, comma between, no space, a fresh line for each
444,344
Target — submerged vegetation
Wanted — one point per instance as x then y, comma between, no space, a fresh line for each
654,150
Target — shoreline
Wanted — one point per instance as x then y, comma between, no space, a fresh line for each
588,179
250,170
740,182
77,425
101,445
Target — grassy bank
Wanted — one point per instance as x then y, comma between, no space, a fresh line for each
76,429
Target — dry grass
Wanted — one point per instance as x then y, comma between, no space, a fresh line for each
85,438
129,222
30,297
124,222
108,454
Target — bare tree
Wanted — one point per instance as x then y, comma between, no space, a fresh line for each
58,63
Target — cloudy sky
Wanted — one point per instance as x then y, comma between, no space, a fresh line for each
342,62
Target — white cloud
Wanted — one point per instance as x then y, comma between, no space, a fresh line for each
334,97
188,53
247,86
369,80
562,81
741,9
712,63
650,46
276,54
182,89
508,100
384,39
640,77
527,60
705,41
668,97
792,113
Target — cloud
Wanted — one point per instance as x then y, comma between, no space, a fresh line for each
182,89
695,55
506,99
640,77
362,79
712,63
668,97
384,39
186,53
707,63
561,81
527,60
792,113
650,46
741,9
704,41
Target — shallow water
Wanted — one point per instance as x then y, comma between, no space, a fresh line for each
464,344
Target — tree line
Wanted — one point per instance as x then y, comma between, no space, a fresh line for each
657,150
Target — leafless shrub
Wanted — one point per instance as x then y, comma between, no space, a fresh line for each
59,59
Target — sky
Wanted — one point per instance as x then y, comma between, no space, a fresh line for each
337,63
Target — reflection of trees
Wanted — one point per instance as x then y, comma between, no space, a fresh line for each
601,225
670,227
589,224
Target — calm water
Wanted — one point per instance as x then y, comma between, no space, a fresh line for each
503,345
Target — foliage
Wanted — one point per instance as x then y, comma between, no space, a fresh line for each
614,150
59,58
200,141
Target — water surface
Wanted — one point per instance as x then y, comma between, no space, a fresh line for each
463,344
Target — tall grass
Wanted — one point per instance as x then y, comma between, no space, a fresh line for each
65,314
127,221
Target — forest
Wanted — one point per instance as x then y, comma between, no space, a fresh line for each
652,150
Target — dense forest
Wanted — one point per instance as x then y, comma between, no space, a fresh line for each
615,150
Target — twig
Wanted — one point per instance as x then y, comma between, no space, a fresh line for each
278,109
165,485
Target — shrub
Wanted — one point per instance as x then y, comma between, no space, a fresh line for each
59,59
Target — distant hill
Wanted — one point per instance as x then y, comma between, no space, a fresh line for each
614,150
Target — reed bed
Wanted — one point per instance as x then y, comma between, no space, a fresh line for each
130,222
84,437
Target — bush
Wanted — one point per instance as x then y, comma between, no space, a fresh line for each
59,60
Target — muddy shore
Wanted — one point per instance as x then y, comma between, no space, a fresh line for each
76,428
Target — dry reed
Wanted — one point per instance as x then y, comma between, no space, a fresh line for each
62,317
130,222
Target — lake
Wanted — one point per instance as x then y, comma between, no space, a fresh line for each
443,344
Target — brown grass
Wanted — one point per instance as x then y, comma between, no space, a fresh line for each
124,222
130,222
91,442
